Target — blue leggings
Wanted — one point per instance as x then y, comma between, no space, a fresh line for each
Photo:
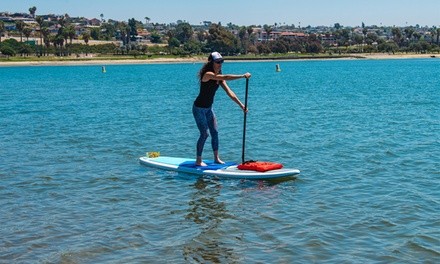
205,119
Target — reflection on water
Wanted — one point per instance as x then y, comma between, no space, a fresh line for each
216,238
208,214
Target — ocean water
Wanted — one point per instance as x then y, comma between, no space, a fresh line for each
364,133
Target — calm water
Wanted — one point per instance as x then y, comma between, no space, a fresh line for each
365,135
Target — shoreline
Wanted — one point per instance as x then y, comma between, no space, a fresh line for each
81,62
103,62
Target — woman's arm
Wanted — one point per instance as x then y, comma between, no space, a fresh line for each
232,95
223,77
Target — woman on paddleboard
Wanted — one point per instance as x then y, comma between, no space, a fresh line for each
211,78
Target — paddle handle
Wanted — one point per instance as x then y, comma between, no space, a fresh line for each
244,119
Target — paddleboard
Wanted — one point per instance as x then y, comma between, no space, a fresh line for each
227,170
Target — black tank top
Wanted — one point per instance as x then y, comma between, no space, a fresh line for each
205,99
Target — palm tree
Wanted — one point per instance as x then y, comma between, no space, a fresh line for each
58,40
86,37
409,33
124,30
433,31
20,26
70,32
52,39
62,31
67,18
250,31
62,21
102,17
244,41
127,32
32,11
27,32
147,20
40,21
438,36
46,39
268,29
397,35
2,29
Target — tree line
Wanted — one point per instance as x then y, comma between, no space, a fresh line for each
184,39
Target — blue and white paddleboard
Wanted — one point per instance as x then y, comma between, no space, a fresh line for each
227,170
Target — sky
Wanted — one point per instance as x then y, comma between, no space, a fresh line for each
245,12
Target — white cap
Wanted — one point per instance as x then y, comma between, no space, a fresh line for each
216,56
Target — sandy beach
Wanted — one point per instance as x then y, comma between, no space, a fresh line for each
98,62
399,56
80,61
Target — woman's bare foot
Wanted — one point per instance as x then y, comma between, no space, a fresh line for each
219,161
199,162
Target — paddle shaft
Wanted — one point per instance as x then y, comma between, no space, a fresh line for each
244,120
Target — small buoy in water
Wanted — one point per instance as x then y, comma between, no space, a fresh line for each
103,69
277,68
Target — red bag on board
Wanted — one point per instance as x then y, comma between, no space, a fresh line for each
260,166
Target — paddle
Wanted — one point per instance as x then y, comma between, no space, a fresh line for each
244,120
261,166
